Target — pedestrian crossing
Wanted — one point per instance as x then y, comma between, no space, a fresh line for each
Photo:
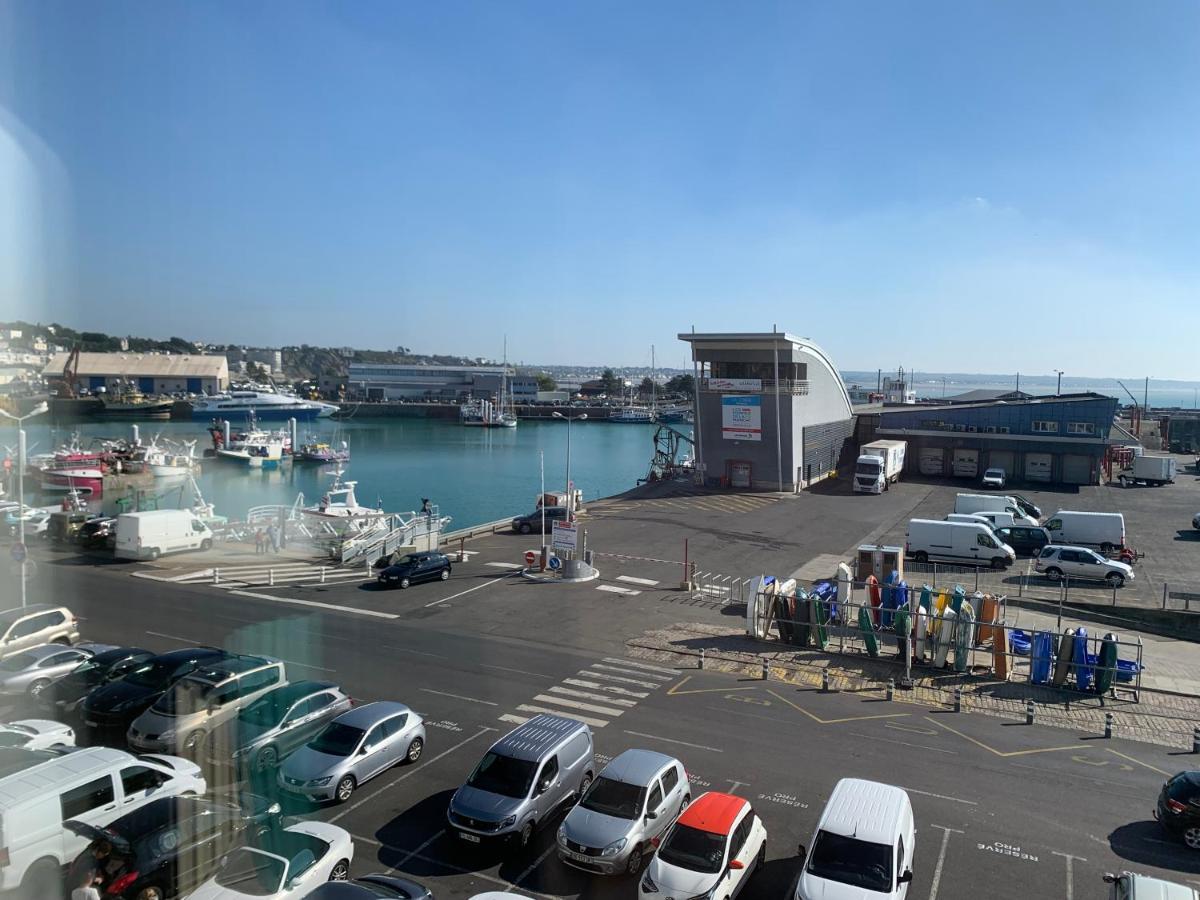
598,694
264,574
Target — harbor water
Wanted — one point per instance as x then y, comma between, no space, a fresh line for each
474,475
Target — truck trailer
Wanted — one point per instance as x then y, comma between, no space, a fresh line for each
879,464
1152,470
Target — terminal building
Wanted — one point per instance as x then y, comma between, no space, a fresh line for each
150,373
446,384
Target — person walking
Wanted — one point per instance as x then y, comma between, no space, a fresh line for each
259,542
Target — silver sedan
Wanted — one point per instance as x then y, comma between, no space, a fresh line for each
31,670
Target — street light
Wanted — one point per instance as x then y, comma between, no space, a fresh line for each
1058,389
570,493
20,420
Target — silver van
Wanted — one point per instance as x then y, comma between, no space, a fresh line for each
523,780
633,801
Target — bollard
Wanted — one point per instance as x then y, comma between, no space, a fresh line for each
701,657
766,671
825,680
322,574
891,688
216,576
1108,724
271,577
1028,712
958,699
1196,739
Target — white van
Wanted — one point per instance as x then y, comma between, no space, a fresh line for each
39,790
994,519
960,543
981,518
1091,529
148,535
980,503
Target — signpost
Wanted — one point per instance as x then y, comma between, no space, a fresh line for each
565,536
530,557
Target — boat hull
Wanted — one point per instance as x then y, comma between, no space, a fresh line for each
262,413
251,462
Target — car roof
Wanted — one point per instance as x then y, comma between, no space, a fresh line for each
49,772
867,810
116,654
534,738
370,713
227,668
289,693
637,766
714,812
159,813
1066,547
41,651
187,653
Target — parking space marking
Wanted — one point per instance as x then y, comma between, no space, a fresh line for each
417,852
1001,753
459,697
504,565
588,695
514,720
676,692
595,701
1139,762
647,582
617,589
884,740
839,721
656,737
296,601
529,708
641,665
572,703
607,688
517,671
937,870
534,865
941,796
1070,874
467,591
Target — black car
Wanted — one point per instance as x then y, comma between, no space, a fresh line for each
170,846
370,887
533,521
114,706
1026,540
416,567
1178,809
1027,506
64,695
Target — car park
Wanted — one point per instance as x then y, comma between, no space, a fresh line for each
415,567
36,734
531,522
1178,808
286,864
711,851
994,478
36,624
863,844
64,695
372,887
523,780
353,749
633,800
29,672
1025,540
1056,561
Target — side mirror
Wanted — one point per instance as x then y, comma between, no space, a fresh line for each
364,751
212,707
736,864
651,815
543,786
905,878
1110,878
802,852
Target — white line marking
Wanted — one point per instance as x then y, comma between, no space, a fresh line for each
673,741
1070,874
515,720
533,865
148,576
592,673
648,582
413,771
314,603
668,676
595,723
588,695
901,743
518,671
576,704
459,697
503,565
617,589
464,593
410,854
940,796
203,573
641,665
611,688
937,871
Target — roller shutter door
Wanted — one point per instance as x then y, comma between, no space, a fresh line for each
1039,466
1076,469
1003,459
932,461
966,464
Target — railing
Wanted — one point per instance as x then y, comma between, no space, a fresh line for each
766,385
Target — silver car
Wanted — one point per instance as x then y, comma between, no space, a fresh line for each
352,749
29,671
634,800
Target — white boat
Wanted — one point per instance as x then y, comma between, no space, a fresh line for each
339,502
171,463
632,415
264,404
484,413
257,449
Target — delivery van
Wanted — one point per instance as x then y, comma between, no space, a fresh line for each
1105,530
151,534
960,543
980,503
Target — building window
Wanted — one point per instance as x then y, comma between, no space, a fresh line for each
1081,428
1046,427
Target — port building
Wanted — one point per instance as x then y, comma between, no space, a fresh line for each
387,381
150,373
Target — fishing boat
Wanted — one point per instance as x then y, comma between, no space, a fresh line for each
632,415
86,479
133,404
321,452
265,405
677,414
170,462
256,449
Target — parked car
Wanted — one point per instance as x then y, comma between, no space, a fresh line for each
371,887
65,694
532,522
275,724
37,623
630,804
523,780
994,478
1095,529
1055,561
96,532
1027,506
287,864
36,734
1178,809
1133,886
29,672
427,566
711,851
962,543
1024,539
854,854
353,749
171,845
37,522
204,699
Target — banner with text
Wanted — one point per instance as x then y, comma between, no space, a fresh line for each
741,418
735,384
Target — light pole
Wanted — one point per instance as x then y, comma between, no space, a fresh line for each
1058,389
20,420
570,493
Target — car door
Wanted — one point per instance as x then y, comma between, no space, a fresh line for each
901,887
317,712
295,728
739,850
22,635
139,784
656,806
549,786
673,791
203,840
372,758
61,663
94,803
395,732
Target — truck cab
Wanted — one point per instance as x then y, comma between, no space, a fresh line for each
869,475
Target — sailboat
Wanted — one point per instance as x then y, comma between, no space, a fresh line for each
485,413
635,414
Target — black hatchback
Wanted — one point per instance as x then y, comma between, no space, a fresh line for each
64,695
1178,809
428,566
1026,540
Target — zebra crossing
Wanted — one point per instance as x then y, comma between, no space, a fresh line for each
264,574
598,694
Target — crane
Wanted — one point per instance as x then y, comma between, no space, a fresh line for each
1137,410
68,373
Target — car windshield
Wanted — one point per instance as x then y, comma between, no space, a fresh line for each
252,873
1095,557
337,739
614,798
18,662
152,674
848,860
993,473
1184,788
266,710
691,848
498,774
12,739
410,559
185,698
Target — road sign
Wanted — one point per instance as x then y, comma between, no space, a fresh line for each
565,536
555,563
530,557
19,552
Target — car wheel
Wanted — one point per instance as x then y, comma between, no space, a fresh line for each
1115,579
445,574
585,783
206,544
38,686
194,740
526,528
404,582
153,553
42,880
999,562
525,835
267,759
921,556
414,750
340,871
687,799
1106,548
1054,574
635,861
150,892
1191,837
345,788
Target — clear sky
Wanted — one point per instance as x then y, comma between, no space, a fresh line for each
951,186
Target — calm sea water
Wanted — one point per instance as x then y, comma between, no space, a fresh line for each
475,475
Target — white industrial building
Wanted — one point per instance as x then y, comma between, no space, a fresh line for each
150,373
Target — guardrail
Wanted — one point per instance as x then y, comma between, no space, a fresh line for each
465,534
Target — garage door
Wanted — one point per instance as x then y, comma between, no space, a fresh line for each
966,463
1039,466
932,461
1003,459
1077,469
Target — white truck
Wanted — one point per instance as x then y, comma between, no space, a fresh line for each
150,534
879,464
1152,470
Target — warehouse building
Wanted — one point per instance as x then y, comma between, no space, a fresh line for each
150,373
386,381
1061,439
771,411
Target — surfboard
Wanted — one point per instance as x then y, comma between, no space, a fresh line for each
868,632
818,615
945,638
1084,673
1041,652
999,655
962,637
1066,649
926,600
845,590
1108,664
803,630
902,629
922,626
956,601
876,597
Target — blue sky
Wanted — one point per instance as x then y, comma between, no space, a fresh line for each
958,185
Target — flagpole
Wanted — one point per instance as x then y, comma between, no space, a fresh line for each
542,499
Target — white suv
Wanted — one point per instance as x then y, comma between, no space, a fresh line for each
1080,562
994,478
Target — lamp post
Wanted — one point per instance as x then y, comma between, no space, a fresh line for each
20,420
1058,389
570,493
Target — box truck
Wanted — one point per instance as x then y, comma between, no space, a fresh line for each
981,503
1152,470
960,543
879,464
1088,529
149,535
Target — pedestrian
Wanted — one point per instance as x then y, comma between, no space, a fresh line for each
259,542
273,537
85,888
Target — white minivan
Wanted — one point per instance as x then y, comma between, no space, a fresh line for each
40,789
980,503
1091,529
150,534
960,543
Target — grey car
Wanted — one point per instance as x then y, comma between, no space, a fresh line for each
634,800
29,671
352,749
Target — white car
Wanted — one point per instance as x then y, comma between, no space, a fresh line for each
711,851
1057,561
994,478
36,734
282,865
